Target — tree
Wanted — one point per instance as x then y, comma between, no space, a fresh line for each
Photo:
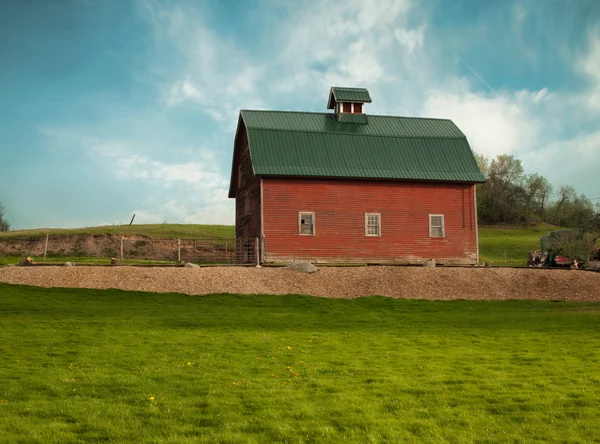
538,191
505,187
566,194
482,163
4,225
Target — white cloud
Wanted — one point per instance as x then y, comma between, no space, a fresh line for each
411,38
188,192
176,211
589,65
501,124
214,73
195,174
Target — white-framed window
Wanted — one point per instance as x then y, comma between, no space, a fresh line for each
372,224
436,225
306,223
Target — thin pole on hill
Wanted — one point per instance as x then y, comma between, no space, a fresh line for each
178,250
195,248
46,246
121,248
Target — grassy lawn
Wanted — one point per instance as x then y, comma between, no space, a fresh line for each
143,367
517,242
158,231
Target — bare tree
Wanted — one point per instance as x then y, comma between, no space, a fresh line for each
4,225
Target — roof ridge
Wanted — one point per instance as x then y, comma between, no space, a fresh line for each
350,87
332,114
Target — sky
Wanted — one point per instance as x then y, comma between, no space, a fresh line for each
115,107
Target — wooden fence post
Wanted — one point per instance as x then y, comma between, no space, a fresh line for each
178,250
257,251
195,251
121,248
46,246
226,253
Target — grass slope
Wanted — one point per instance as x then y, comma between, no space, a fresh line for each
84,365
159,231
516,242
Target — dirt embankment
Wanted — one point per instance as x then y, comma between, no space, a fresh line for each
396,282
91,245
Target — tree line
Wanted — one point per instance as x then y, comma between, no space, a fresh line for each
511,196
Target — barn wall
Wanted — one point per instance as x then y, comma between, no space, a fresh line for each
339,207
247,202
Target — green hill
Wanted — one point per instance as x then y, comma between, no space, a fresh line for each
157,231
516,242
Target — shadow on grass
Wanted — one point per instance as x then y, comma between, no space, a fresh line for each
294,312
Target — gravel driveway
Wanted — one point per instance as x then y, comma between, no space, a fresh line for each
351,282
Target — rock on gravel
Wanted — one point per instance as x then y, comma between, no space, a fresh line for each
397,282
302,267
191,265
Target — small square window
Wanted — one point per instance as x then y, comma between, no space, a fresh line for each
306,224
436,225
347,107
358,108
372,224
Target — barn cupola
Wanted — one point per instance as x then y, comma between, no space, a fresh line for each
349,103
348,100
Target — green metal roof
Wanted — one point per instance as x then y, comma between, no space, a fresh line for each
327,123
318,145
358,95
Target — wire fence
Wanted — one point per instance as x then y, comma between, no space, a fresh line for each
244,251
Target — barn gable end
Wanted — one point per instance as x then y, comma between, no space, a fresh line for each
245,187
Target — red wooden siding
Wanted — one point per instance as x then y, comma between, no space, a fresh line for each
247,202
340,207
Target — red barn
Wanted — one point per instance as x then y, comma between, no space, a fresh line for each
344,186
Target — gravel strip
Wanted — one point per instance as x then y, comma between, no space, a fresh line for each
351,282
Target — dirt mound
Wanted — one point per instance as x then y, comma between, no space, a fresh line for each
92,245
64,245
396,282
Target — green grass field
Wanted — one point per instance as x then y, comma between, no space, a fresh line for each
516,242
158,231
85,365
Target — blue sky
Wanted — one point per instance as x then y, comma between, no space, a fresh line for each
111,108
